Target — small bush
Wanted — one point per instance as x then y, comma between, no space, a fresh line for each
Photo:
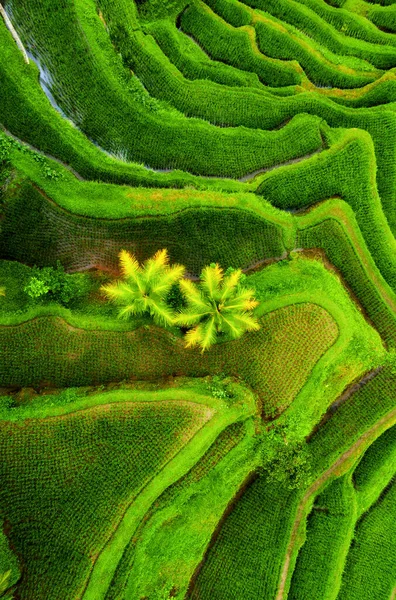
54,284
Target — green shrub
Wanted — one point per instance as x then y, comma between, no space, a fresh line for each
54,285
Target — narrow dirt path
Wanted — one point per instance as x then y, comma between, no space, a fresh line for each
388,420
14,34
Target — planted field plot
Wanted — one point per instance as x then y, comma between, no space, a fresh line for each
197,299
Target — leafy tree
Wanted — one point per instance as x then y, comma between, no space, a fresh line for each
218,305
144,289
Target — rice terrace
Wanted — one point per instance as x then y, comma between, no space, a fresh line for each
198,299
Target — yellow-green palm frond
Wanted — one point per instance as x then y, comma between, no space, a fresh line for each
242,299
193,295
229,284
130,309
155,265
211,278
208,334
187,318
193,337
128,264
120,292
251,304
112,291
2,291
236,324
165,280
161,313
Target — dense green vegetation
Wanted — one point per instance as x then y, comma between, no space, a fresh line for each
197,299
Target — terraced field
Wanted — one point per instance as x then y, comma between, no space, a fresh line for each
198,299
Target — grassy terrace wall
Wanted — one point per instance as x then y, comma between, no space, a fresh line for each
258,134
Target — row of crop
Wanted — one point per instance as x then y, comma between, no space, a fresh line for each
375,470
35,231
305,19
189,58
340,251
249,551
384,17
370,566
346,170
53,469
26,111
236,47
330,526
332,521
273,111
275,361
171,523
322,67
245,558
346,22
276,42
102,106
364,409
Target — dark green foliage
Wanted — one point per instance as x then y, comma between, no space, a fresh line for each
54,285
175,298
35,231
286,463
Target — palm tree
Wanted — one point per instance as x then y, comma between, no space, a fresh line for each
143,288
219,304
